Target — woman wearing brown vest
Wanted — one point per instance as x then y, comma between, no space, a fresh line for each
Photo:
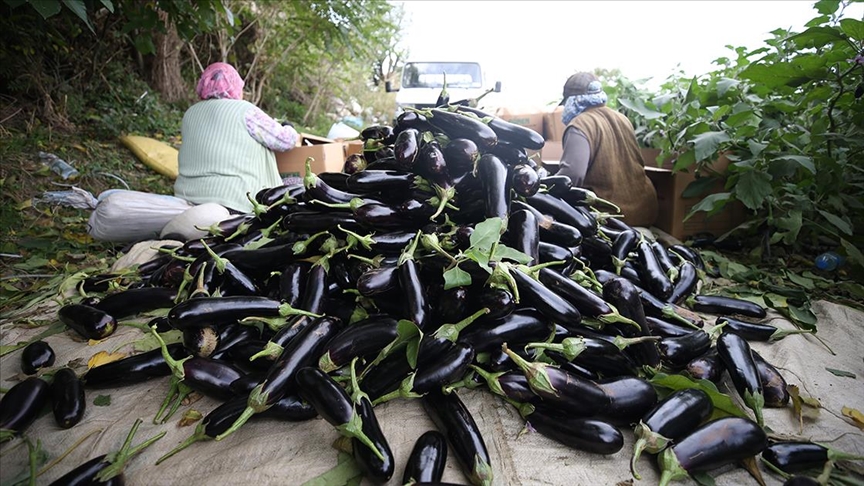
601,152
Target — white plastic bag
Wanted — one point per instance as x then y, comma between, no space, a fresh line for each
125,216
186,224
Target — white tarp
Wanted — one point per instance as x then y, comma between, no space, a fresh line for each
270,452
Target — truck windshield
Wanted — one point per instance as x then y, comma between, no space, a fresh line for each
431,75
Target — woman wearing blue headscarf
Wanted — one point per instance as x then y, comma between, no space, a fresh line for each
601,152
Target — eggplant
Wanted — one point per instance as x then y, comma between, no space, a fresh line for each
663,328
20,406
378,469
598,355
688,278
35,356
562,389
714,444
427,459
280,379
625,297
630,399
793,457
107,469
512,385
496,195
622,246
588,434
454,420
561,211
680,350
550,304
416,307
88,322
500,303
132,369
406,147
523,231
774,386
68,403
358,340
718,304
318,190
448,367
651,273
335,406
377,132
458,125
218,311
354,163
670,420
753,331
523,325
131,302
737,357
524,180
688,254
709,367
462,155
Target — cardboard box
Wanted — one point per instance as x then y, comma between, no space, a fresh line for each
527,118
353,147
673,208
553,127
327,155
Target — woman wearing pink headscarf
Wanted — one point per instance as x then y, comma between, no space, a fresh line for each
228,144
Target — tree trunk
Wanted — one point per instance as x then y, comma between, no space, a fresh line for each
165,71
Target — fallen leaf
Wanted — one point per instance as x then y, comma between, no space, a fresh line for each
102,400
190,417
24,205
80,147
856,416
844,374
103,357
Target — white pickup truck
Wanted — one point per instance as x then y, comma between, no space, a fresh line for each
422,82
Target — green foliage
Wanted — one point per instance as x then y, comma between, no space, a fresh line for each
788,117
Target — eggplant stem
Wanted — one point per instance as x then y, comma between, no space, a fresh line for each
244,417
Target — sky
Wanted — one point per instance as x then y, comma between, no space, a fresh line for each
533,46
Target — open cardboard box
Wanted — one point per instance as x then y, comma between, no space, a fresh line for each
328,156
527,118
673,208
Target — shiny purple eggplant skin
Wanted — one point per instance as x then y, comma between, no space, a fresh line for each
717,443
679,350
625,297
375,469
35,356
651,273
68,401
774,386
493,177
679,413
20,406
131,302
523,231
686,283
84,474
88,322
454,420
718,304
524,180
738,359
132,369
217,311
427,459
358,340
630,398
584,433
523,325
549,303
709,367
792,457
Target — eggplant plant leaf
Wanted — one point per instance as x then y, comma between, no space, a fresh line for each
838,222
853,253
752,188
456,277
841,373
711,204
723,404
706,144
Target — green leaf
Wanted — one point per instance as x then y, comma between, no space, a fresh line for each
46,8
800,281
684,161
456,277
854,28
706,144
703,478
792,223
503,251
844,374
698,187
725,84
343,473
149,342
752,188
102,400
743,118
853,254
639,107
806,162
80,9
838,222
854,289
817,37
486,234
827,7
108,5
723,404
15,3
711,204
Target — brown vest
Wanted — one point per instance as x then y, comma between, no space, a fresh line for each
616,170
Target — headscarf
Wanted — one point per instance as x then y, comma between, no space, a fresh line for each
220,81
581,91
576,104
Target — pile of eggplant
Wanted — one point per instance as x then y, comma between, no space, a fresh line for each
441,258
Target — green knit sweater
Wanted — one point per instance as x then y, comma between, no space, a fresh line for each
219,161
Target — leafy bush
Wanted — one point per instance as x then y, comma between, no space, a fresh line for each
789,117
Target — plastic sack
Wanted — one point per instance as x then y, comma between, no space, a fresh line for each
75,197
124,216
186,225
342,131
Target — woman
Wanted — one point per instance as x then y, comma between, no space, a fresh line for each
601,152
228,144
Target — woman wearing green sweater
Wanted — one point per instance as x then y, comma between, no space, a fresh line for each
228,144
